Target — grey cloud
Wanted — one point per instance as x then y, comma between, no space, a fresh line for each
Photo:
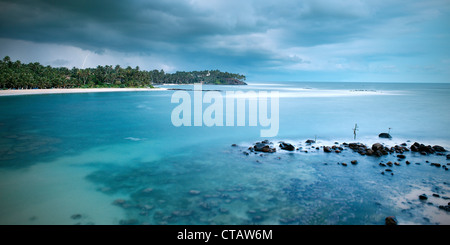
255,34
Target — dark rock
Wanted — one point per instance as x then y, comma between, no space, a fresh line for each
233,145
263,148
388,170
377,147
438,148
382,164
401,156
446,208
435,164
265,142
436,195
385,135
310,142
423,197
389,164
337,151
407,162
403,144
344,164
415,147
326,149
448,156
287,146
396,164
391,220
354,162
245,153
369,152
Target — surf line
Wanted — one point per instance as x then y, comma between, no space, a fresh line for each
213,115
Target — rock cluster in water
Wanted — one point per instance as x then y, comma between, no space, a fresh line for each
374,150
377,149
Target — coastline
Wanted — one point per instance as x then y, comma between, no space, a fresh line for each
10,92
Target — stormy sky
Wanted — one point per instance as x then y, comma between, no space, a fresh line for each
284,40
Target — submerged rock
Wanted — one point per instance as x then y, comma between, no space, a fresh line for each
385,135
147,190
119,202
435,164
326,149
76,216
354,162
128,222
194,192
423,197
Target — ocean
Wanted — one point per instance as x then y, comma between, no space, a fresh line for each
117,158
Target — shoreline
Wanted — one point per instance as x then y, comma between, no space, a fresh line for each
16,92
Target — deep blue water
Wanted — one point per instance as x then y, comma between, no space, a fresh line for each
116,158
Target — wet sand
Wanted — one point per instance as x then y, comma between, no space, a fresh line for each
73,90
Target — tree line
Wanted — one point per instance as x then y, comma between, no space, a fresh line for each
17,75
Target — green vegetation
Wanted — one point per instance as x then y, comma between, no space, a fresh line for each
16,75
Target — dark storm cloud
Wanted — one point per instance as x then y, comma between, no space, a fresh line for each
148,26
244,35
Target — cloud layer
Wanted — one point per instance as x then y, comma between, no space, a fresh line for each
324,40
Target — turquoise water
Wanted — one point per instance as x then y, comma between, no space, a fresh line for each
116,158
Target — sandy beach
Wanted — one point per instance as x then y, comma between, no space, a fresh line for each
73,90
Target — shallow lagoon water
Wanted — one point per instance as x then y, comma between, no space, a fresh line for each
115,158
